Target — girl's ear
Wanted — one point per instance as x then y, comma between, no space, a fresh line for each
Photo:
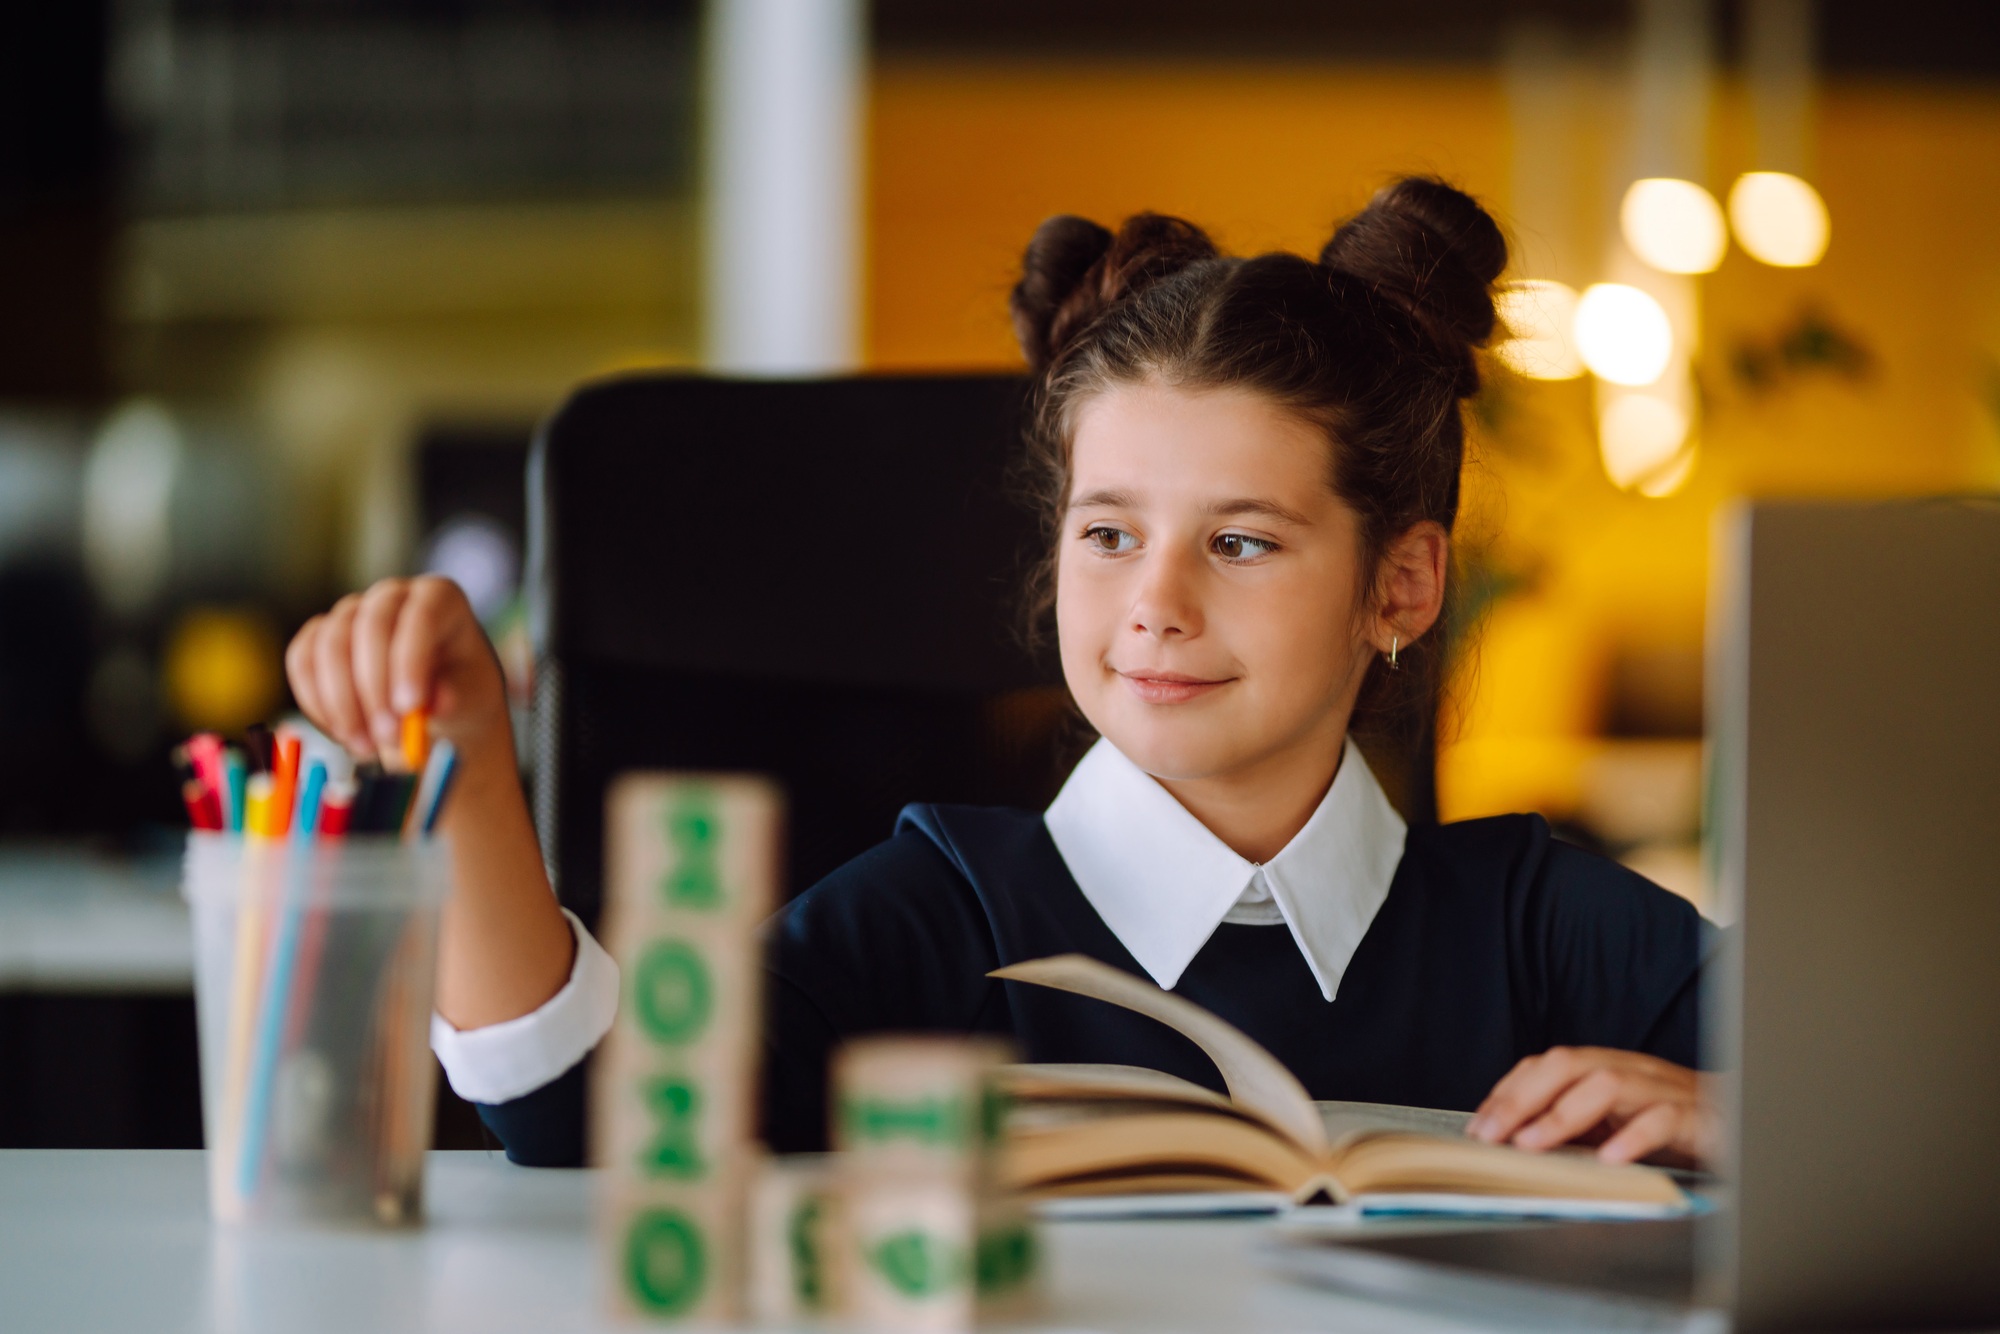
1409,585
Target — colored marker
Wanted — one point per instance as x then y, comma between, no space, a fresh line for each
336,808
257,805
416,740
234,776
284,784
436,787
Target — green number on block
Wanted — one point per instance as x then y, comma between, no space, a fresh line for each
808,1283
671,992
940,1122
992,1115
1005,1258
676,1150
695,833
666,1264
917,1264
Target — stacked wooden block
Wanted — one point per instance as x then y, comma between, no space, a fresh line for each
926,1239
692,868
903,1228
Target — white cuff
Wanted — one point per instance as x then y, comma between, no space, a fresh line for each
502,1061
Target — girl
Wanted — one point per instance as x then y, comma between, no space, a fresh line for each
1252,470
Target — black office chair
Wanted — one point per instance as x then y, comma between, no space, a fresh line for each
816,580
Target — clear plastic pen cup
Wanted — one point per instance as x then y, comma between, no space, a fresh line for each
314,964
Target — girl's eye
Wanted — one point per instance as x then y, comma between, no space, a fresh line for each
1111,541
1241,546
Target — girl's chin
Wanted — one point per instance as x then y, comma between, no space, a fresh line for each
1180,754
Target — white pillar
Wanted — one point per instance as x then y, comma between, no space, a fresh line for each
785,88
1778,66
1672,74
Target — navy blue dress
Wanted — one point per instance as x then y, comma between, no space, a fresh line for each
1496,941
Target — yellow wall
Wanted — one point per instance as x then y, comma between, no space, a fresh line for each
968,157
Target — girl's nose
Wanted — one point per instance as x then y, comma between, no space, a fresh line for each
1167,604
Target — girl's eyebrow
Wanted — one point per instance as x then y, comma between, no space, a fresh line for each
1105,496
1270,509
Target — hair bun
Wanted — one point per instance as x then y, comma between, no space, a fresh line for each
1435,252
1075,270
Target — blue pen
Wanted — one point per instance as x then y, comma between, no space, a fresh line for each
278,985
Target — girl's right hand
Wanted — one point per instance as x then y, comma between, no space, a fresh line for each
403,645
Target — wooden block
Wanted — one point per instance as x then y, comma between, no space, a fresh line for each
928,1253
794,1219
683,1056
674,1253
692,863
920,1104
702,845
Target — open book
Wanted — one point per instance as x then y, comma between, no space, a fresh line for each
1080,1130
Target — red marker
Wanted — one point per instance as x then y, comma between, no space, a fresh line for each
205,752
204,808
336,809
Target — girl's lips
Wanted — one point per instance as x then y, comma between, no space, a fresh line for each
1169,687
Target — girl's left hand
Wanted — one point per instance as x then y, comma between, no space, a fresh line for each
1630,1105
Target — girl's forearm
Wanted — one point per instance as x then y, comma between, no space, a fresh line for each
504,948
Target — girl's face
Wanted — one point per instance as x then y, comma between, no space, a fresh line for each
1208,583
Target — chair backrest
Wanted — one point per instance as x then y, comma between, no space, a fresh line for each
817,580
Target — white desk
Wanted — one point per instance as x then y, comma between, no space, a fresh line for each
97,1242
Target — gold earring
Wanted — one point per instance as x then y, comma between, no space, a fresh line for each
1394,641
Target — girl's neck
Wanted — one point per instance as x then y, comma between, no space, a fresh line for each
1257,810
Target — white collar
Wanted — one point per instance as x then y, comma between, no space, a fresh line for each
1162,882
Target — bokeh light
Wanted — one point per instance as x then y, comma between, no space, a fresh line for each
1640,437
1673,225
1623,334
128,488
1539,315
1779,219
220,668
1672,477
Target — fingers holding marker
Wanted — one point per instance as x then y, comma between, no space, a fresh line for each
374,626
333,660
416,653
300,671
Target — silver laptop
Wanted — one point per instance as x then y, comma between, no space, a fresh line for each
1854,698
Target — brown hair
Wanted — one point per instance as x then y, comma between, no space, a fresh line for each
1373,343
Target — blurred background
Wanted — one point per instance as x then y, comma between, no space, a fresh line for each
285,286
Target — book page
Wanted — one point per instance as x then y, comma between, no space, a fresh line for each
1120,1082
1255,1078
1344,1120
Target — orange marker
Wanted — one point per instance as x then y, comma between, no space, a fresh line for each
416,740
284,783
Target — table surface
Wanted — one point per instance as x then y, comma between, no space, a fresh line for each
110,1240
